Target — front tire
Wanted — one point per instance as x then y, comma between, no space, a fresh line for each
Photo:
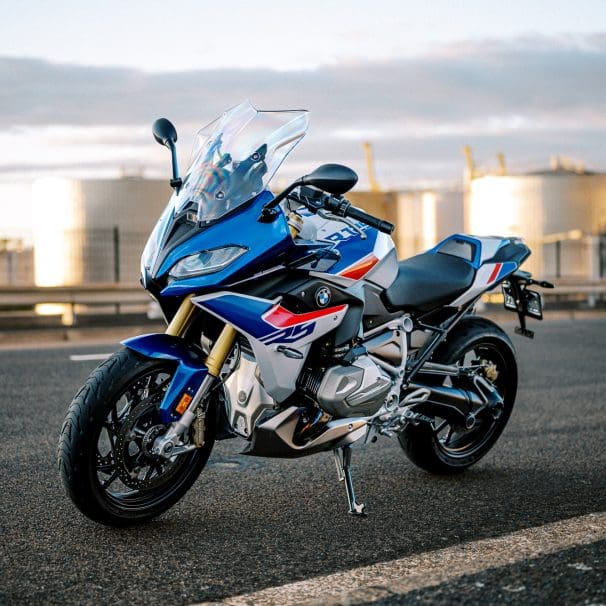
445,448
104,452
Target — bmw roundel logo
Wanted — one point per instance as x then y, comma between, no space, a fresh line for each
323,296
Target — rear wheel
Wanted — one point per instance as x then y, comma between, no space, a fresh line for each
446,447
105,455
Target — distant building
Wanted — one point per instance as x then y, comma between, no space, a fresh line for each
560,212
16,262
86,231
93,230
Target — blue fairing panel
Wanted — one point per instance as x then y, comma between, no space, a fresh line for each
264,241
189,374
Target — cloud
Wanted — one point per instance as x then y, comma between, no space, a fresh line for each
530,97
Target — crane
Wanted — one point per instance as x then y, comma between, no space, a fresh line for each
370,166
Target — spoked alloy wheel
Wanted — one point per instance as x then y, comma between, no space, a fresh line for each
448,447
105,451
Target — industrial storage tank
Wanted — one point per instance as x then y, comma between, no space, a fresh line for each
88,231
422,217
560,213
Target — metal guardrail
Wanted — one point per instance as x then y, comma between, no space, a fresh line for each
92,305
118,296
97,294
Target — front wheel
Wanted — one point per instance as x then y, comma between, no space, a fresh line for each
105,456
446,448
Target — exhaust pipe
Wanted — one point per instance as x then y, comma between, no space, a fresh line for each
451,403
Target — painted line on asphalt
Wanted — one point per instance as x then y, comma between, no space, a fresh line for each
88,357
386,579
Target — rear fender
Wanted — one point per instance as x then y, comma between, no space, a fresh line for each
189,374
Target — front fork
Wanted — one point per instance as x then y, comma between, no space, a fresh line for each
170,443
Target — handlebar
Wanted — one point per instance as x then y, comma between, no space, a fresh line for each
316,200
343,208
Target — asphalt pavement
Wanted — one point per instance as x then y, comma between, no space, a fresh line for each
250,523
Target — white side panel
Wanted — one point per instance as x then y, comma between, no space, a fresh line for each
385,271
480,284
490,245
278,371
278,329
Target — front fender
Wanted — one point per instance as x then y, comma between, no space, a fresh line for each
189,374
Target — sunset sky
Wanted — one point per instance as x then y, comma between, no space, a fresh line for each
81,83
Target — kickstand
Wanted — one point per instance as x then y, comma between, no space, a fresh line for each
343,462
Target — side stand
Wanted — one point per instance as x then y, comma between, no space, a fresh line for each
343,461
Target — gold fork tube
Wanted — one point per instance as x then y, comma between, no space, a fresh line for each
182,318
220,350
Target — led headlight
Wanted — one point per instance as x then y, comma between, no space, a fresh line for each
206,262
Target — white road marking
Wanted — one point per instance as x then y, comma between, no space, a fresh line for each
87,357
380,581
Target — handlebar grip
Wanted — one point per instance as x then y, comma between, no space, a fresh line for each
384,226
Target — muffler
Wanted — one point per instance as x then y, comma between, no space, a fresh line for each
451,403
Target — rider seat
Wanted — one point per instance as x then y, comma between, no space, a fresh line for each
427,281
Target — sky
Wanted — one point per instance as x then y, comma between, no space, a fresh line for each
81,82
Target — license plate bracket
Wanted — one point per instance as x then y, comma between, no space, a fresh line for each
522,300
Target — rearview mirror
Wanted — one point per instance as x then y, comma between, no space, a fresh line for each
335,179
164,132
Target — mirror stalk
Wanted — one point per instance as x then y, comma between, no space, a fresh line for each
166,134
269,213
176,182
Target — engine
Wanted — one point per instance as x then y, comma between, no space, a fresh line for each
356,389
352,380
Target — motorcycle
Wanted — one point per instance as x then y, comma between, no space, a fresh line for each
291,326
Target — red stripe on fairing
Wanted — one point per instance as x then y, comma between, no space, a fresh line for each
282,318
495,273
361,268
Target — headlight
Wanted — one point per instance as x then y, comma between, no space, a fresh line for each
206,262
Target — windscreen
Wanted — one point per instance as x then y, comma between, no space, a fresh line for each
235,157
233,160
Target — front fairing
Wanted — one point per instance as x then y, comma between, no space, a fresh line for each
233,161
266,243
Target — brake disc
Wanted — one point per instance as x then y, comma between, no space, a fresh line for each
137,467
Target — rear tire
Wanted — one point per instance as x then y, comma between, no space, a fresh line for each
103,452
444,448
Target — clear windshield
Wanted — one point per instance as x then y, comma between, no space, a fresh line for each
235,157
233,160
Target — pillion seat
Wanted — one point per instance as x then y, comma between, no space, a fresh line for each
427,281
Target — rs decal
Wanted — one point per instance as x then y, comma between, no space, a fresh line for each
267,321
289,335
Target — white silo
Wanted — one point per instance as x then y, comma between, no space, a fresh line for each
561,213
93,230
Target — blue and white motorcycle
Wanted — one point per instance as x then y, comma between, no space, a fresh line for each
292,327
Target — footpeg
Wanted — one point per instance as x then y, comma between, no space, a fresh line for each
343,462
